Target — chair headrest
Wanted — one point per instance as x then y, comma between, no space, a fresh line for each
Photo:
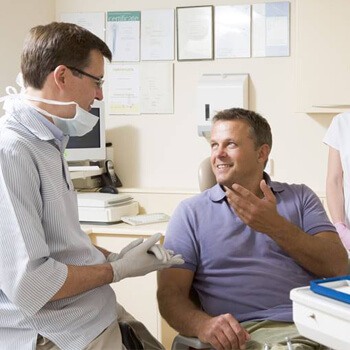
206,177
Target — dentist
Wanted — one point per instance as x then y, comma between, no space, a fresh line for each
54,284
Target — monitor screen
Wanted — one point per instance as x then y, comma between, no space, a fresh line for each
91,146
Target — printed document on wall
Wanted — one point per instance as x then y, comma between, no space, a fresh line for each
123,89
92,21
123,35
157,88
157,35
271,29
232,31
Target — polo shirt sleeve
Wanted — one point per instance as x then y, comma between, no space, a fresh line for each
315,218
29,277
181,236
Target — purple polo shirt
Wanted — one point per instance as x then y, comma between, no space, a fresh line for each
239,270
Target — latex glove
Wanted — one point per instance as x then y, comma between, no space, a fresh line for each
344,234
142,259
115,256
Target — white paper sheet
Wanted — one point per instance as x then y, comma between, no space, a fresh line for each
124,89
157,34
92,21
157,88
195,33
271,28
232,31
123,35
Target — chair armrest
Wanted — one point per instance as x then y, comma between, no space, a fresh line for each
182,343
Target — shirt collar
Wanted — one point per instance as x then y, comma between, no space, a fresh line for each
31,119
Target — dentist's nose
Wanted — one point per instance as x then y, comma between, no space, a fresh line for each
99,94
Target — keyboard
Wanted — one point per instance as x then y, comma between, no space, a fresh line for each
83,167
144,219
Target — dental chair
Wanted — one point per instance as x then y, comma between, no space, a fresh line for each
206,179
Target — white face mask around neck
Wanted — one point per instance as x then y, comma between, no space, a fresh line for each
82,122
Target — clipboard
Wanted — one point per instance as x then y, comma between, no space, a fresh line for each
337,288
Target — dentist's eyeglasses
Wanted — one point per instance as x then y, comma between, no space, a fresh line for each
99,81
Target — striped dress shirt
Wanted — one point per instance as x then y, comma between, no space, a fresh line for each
40,235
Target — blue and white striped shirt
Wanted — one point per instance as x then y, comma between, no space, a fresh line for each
39,236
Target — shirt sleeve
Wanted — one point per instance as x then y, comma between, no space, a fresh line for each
29,277
333,134
181,236
315,218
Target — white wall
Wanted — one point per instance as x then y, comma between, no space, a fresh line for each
164,151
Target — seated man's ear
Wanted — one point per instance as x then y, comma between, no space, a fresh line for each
264,152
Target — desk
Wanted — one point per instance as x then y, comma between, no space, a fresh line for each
138,295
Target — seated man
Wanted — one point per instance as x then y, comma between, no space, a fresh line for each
246,242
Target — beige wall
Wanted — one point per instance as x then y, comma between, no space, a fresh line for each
157,152
16,18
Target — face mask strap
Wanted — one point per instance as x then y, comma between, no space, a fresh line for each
50,102
10,90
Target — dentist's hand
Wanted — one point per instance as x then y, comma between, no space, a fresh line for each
144,258
116,256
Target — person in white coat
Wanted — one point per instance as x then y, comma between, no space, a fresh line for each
338,175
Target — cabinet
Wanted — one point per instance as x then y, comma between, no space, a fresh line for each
138,295
322,56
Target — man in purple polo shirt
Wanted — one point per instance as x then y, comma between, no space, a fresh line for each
246,242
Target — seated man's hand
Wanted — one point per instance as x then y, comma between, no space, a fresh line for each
143,258
224,332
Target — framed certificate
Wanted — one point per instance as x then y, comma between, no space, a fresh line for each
195,33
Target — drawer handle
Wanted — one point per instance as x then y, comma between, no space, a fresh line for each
313,316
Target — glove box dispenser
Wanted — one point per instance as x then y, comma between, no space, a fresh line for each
217,92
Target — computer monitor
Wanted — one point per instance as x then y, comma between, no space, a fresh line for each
92,146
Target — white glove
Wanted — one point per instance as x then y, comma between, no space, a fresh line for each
144,258
115,256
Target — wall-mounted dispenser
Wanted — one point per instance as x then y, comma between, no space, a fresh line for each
217,92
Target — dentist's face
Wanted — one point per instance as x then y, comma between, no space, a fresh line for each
84,89
234,156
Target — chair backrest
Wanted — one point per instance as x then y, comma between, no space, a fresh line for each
206,177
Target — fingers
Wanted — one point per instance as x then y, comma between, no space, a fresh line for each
268,194
112,257
224,332
160,253
131,245
176,260
166,256
235,335
149,242
135,243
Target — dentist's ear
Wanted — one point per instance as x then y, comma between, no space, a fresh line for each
60,75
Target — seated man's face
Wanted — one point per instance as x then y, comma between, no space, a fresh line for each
234,156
